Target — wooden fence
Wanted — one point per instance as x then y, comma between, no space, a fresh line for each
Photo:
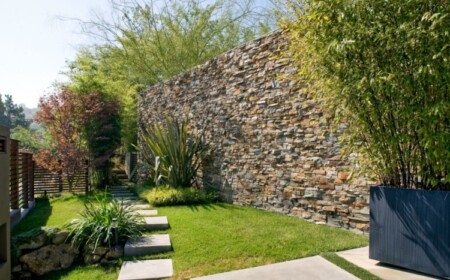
27,179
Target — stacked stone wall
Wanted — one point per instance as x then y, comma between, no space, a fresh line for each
272,145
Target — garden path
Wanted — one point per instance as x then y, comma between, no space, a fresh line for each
147,244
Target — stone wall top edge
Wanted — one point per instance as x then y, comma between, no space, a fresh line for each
160,84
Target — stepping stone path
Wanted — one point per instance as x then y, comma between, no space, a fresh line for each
147,244
143,270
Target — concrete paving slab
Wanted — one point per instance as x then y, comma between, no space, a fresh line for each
141,206
360,257
147,244
316,268
131,201
148,212
123,195
146,270
156,223
118,188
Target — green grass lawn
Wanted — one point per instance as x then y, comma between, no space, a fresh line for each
222,237
211,238
51,212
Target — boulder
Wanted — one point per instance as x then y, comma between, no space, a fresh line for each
60,237
50,258
34,242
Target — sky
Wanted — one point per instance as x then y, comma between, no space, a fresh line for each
35,43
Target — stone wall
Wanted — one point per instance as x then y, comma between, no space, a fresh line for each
272,146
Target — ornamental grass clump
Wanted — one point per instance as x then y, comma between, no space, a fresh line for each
382,67
94,228
173,154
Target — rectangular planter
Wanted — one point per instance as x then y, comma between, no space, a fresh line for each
411,229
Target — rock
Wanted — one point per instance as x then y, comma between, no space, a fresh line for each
329,208
98,251
60,237
50,258
92,259
34,242
115,253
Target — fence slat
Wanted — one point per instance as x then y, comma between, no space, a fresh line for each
14,176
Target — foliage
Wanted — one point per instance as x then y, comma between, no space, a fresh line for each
145,42
383,68
12,115
102,135
31,139
166,195
180,152
99,70
94,227
156,40
78,124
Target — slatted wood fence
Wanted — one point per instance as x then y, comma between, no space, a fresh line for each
28,179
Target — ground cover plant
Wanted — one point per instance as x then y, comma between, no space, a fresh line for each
166,195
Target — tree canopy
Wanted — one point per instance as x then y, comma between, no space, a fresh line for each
11,114
383,68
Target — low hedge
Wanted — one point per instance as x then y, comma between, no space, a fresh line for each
166,195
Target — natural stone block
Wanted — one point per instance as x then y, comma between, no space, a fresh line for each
50,258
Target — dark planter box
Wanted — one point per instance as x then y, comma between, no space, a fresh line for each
411,229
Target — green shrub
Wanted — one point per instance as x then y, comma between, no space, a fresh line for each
94,227
173,154
167,195
382,67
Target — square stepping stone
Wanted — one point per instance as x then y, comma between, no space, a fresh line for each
127,201
119,191
147,244
146,270
147,212
123,194
141,206
156,223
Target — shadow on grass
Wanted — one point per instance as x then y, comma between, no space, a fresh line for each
37,217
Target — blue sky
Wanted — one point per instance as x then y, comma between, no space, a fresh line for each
35,43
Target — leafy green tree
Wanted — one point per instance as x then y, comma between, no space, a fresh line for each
31,139
146,42
383,67
156,40
11,114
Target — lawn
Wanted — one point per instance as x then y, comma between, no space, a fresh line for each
51,212
221,237
212,238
